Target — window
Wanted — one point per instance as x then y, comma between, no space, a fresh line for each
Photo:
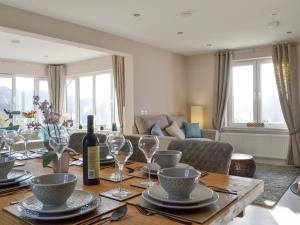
253,95
92,95
16,92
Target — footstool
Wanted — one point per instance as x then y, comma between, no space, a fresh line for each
242,165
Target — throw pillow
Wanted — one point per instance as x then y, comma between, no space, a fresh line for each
174,131
155,130
192,130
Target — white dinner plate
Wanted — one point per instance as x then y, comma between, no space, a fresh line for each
199,194
58,216
27,176
152,201
13,175
77,200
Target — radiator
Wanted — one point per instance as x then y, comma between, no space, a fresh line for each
273,146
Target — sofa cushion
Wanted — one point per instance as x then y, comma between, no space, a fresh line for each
178,119
199,139
145,123
155,130
175,131
192,130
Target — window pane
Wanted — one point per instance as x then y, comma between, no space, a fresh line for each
86,98
5,96
242,80
103,99
71,99
270,108
43,90
24,93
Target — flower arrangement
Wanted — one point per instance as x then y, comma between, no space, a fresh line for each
52,130
31,114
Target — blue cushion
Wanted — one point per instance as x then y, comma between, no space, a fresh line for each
15,127
192,130
155,130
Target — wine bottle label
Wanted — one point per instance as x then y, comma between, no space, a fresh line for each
93,162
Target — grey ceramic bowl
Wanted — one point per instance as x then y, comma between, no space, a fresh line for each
104,151
178,182
53,189
6,165
167,158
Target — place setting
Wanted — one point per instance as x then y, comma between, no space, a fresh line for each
56,199
11,179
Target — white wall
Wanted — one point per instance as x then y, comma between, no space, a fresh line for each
22,68
89,66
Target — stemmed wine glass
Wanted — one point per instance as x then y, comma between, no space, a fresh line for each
115,141
26,135
121,155
148,144
2,139
59,142
10,139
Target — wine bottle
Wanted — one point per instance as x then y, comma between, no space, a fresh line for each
91,155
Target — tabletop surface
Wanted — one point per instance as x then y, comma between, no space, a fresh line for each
248,190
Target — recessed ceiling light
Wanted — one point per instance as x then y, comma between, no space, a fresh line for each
179,32
15,41
136,14
274,14
46,56
187,13
209,45
289,32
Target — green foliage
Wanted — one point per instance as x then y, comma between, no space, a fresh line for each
49,157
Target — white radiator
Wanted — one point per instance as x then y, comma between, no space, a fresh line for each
259,145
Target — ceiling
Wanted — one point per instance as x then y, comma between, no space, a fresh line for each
23,48
214,24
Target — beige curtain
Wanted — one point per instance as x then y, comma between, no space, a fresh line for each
56,81
119,81
223,65
285,66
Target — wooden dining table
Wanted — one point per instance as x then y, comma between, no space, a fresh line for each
247,191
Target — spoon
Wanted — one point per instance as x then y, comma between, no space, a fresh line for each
115,216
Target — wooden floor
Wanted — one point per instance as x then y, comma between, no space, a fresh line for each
286,212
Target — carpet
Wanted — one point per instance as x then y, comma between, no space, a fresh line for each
277,180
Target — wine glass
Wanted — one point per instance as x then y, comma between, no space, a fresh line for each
115,141
2,138
26,135
121,155
148,144
10,139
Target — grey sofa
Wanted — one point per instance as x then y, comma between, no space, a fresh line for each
143,125
203,155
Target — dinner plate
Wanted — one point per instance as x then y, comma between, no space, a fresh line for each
16,181
108,158
154,167
199,194
13,175
58,216
202,204
77,200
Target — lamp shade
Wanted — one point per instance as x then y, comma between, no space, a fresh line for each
197,115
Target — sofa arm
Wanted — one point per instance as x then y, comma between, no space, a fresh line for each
211,134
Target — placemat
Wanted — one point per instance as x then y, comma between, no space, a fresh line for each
19,186
107,205
109,178
139,185
109,194
196,215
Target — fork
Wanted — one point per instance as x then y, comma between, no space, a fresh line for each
147,212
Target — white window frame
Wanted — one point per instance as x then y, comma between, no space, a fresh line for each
77,95
14,76
257,103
